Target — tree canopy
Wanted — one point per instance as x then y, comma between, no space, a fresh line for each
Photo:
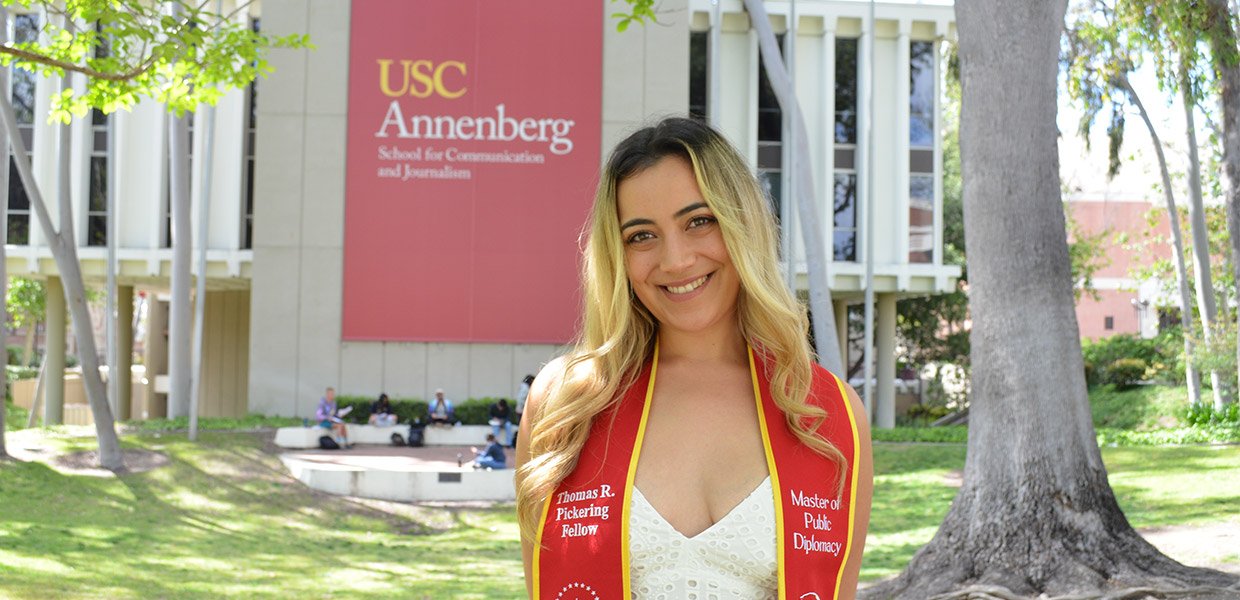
131,49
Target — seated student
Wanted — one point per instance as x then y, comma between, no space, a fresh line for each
492,457
326,415
381,412
440,411
500,415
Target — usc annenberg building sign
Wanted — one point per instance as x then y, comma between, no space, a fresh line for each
473,150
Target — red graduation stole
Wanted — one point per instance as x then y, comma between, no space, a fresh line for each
583,538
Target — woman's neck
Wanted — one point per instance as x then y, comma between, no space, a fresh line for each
721,344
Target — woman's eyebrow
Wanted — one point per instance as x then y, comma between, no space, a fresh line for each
680,213
635,222
692,207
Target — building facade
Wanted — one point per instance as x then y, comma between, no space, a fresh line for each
278,244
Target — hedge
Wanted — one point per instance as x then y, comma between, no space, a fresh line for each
474,411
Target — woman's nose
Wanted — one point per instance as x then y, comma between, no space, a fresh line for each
678,254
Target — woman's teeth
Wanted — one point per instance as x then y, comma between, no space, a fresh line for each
688,287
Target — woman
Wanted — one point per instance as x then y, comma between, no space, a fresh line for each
688,446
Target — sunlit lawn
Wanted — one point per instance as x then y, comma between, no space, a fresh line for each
223,520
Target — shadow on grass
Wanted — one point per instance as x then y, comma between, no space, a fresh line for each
223,520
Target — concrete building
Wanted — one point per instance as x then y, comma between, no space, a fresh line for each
277,250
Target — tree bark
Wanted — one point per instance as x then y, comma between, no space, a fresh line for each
64,251
1177,242
1223,44
807,209
1035,513
1206,303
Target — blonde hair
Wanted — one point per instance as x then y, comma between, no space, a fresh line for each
618,332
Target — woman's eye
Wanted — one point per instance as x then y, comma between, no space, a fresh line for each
701,221
639,237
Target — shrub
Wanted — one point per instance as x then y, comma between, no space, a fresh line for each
406,409
1125,372
1163,356
921,414
1205,414
15,355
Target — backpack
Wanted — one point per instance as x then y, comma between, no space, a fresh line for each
398,440
416,438
327,443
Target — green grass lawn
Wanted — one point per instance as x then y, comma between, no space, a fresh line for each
223,519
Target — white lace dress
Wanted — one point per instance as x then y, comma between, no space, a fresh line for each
733,559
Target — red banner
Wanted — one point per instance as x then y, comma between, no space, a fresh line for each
473,151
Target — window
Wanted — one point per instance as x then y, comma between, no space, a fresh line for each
921,152
25,29
845,237
97,201
247,172
1108,323
770,137
699,60
845,205
97,198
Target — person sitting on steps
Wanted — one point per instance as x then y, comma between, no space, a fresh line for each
440,411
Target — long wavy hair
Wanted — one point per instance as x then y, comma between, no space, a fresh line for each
618,332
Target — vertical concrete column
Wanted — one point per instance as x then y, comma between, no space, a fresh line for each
54,377
885,370
841,331
124,351
156,356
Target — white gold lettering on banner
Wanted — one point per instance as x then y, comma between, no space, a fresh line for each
570,510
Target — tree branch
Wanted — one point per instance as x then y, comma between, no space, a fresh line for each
34,57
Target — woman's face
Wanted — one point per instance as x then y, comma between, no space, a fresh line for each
674,252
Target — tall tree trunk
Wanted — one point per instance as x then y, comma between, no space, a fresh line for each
1206,303
1035,513
807,209
64,251
1177,242
1226,49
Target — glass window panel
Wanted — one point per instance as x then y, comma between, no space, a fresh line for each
845,201
845,246
18,201
770,118
921,219
920,131
97,230
249,186
698,73
25,29
19,229
772,182
921,94
845,90
98,184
